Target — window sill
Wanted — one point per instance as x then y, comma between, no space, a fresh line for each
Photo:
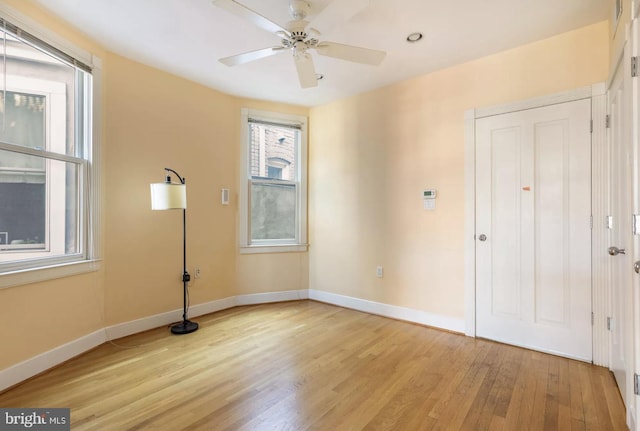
288,248
36,275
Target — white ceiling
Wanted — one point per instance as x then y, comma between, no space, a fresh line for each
187,37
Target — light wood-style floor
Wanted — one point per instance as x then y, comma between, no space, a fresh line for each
307,365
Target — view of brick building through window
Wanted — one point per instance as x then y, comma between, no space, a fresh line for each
273,152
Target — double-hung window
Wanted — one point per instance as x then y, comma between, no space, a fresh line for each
45,154
273,203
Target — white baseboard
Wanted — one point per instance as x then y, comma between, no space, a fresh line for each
146,323
264,298
392,311
36,365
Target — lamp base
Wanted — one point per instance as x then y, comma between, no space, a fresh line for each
184,327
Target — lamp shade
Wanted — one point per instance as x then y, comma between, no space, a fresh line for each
168,196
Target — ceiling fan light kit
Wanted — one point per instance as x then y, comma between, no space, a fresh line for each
299,9
300,37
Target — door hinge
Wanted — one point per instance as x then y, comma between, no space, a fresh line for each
591,222
608,323
591,126
634,67
607,121
636,384
593,319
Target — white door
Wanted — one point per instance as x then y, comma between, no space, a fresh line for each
620,237
533,229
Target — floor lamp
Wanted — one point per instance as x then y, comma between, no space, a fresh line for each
169,196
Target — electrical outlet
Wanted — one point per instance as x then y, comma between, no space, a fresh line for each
196,272
379,272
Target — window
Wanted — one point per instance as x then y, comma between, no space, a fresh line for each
45,155
273,202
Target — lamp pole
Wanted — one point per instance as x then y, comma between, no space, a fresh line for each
186,326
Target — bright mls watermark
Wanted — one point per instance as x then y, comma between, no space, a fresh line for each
35,419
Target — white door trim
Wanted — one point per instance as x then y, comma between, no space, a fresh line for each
595,92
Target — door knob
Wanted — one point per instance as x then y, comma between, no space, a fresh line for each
636,267
614,251
482,237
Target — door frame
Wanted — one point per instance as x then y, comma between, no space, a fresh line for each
597,94
631,47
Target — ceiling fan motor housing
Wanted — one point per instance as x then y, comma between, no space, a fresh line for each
297,34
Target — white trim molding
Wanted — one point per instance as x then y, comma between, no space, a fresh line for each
265,298
392,311
470,223
537,102
35,275
600,233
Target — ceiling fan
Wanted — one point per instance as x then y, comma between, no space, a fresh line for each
299,37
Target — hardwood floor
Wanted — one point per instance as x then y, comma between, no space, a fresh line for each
307,365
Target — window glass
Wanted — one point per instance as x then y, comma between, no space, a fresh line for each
23,119
274,150
39,210
273,211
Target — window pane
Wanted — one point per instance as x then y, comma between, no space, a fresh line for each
39,209
273,152
40,106
273,211
23,119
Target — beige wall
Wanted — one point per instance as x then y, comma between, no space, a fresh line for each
373,154
158,120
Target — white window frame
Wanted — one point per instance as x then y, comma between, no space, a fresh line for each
55,100
89,184
275,246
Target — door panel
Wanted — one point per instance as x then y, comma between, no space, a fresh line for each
551,223
533,280
619,236
505,157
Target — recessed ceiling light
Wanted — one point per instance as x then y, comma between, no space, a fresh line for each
414,37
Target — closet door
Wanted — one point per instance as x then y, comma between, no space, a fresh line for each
533,224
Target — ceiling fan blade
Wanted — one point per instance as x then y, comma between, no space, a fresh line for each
338,12
306,70
246,57
244,12
351,53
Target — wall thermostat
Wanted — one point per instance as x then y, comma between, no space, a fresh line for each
429,199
